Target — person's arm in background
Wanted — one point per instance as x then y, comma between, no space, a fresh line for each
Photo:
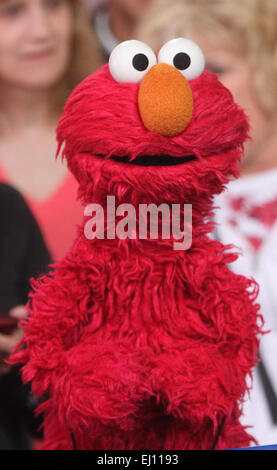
23,255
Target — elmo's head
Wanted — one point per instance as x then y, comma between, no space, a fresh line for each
152,128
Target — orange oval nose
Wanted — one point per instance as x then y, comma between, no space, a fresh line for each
165,100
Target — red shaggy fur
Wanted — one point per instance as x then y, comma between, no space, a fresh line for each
137,345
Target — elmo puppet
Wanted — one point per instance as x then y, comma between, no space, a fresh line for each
135,344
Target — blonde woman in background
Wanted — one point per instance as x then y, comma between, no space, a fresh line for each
46,49
239,39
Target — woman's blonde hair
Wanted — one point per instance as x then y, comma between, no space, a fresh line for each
248,27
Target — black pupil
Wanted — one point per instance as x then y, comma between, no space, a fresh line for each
140,62
181,61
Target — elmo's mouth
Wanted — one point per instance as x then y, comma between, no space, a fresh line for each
154,160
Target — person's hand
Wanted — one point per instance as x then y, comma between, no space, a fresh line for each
19,312
8,342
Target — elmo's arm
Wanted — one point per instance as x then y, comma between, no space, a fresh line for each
203,378
63,358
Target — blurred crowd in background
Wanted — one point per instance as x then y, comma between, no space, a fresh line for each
47,47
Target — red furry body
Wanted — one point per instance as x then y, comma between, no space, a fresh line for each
140,346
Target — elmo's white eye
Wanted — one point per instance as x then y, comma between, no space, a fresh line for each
130,61
185,55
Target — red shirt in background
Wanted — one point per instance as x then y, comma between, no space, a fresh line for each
57,216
